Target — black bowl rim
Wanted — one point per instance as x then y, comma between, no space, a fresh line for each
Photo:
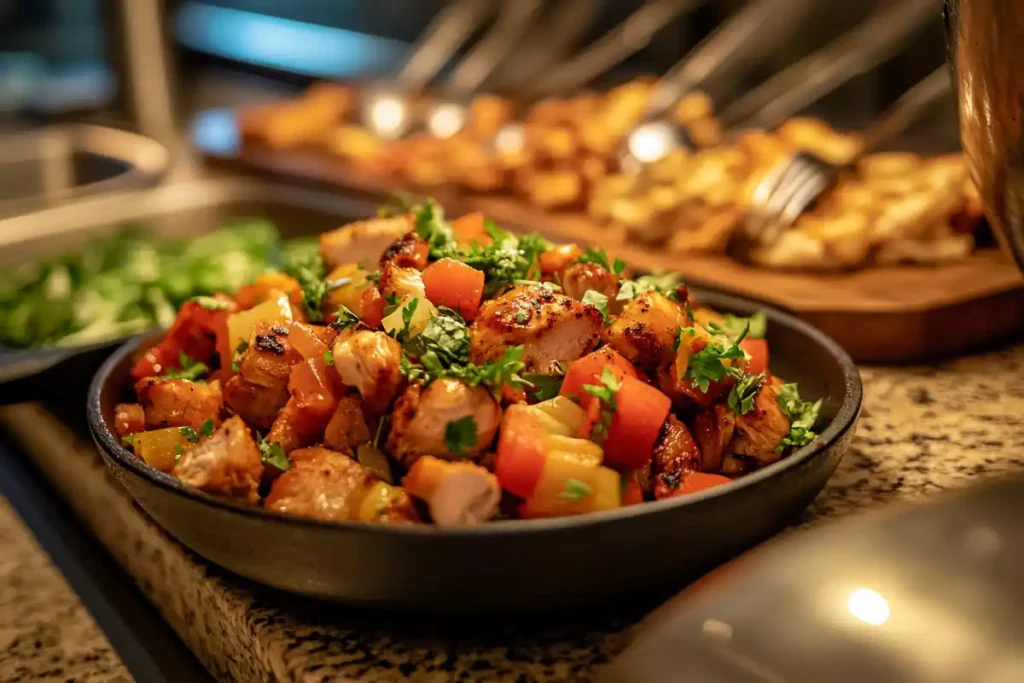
844,419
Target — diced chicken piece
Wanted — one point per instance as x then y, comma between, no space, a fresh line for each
579,278
370,361
714,429
257,405
401,282
409,251
226,464
421,419
645,332
129,418
552,328
347,427
675,454
455,492
327,485
362,241
298,425
179,402
268,359
759,432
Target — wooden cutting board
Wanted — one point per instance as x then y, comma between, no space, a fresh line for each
896,314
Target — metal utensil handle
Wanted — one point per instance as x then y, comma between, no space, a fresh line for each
906,111
755,28
445,34
857,51
629,37
515,18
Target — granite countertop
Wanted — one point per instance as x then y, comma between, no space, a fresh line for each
924,429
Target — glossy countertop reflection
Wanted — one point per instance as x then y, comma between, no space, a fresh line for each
929,593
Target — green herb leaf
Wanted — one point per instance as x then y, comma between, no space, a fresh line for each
598,301
128,440
708,364
598,256
732,326
802,416
236,357
329,358
272,453
190,369
507,260
431,225
543,387
373,276
206,429
189,434
212,304
742,396
666,284
346,318
576,490
460,435
308,268
178,451
446,336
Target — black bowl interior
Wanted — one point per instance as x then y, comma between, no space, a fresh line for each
514,566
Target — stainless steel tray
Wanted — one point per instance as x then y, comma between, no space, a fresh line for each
51,165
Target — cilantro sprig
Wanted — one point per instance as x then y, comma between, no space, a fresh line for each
307,267
666,284
460,435
606,392
575,490
732,326
742,396
543,387
802,416
205,429
430,224
345,318
507,260
599,301
709,364
190,369
272,453
600,257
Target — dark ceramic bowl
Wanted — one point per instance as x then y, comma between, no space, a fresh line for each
515,566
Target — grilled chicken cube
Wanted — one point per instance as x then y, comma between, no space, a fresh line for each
268,359
179,402
362,241
646,330
675,454
552,328
258,406
714,429
324,484
370,361
298,425
580,278
421,419
129,418
455,492
226,464
347,428
403,283
760,431
409,251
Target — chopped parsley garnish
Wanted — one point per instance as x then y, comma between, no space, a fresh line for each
308,268
431,225
346,318
445,339
206,429
802,416
190,369
179,450
543,387
597,300
272,453
373,276
553,286
236,358
666,284
403,334
741,398
708,365
212,304
460,435
507,260
757,325
598,256
576,490
329,358
494,375
606,393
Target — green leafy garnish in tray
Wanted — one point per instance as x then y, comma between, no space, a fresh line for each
131,282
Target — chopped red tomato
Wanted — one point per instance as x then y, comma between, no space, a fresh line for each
371,307
758,350
639,414
521,453
558,258
470,228
453,284
632,492
587,370
698,481
194,333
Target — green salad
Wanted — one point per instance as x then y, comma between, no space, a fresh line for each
131,282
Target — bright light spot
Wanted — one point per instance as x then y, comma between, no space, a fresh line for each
718,630
651,141
510,139
869,606
387,115
446,119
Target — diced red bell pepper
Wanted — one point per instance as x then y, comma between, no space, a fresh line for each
470,228
632,492
193,333
588,369
640,412
371,307
558,258
698,481
758,350
453,284
521,453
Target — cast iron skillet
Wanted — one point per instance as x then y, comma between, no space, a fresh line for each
514,566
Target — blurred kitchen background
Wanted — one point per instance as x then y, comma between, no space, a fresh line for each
62,59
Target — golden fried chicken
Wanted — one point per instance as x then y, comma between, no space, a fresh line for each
362,241
257,405
760,431
455,492
226,464
675,454
170,402
370,361
714,429
645,331
347,427
579,278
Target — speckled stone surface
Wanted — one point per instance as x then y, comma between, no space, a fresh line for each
46,635
923,430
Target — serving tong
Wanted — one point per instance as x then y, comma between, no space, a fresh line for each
797,182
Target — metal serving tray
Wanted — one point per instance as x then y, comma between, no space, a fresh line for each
45,167
179,211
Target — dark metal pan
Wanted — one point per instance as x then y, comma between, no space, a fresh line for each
173,211
516,566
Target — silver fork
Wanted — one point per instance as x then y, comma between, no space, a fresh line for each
795,183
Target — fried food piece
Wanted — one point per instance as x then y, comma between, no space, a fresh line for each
579,278
645,332
369,361
129,418
362,241
714,429
759,432
410,251
551,328
179,402
257,405
401,282
347,427
226,464
675,454
456,493
421,419
269,357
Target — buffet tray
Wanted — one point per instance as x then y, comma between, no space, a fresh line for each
894,314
